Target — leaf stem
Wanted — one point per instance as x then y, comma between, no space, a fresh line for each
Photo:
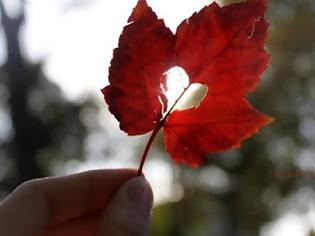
147,147
173,106
156,130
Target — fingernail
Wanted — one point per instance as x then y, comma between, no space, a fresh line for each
139,190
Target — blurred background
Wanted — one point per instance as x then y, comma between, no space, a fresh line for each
54,57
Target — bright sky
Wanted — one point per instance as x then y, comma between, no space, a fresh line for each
77,43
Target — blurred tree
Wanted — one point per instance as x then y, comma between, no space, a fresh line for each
28,135
45,125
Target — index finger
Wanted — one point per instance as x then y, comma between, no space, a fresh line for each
63,198
74,195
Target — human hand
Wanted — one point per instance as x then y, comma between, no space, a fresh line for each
101,203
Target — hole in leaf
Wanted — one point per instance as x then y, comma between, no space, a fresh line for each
193,96
176,82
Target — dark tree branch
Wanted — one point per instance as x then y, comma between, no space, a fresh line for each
20,78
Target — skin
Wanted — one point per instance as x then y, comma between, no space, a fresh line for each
98,203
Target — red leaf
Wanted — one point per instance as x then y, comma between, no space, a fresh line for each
223,47
143,55
219,123
219,47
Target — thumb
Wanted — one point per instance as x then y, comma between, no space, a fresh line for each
128,213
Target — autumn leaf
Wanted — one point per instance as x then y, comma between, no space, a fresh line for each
143,55
219,47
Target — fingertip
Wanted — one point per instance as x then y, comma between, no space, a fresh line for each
138,189
129,211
